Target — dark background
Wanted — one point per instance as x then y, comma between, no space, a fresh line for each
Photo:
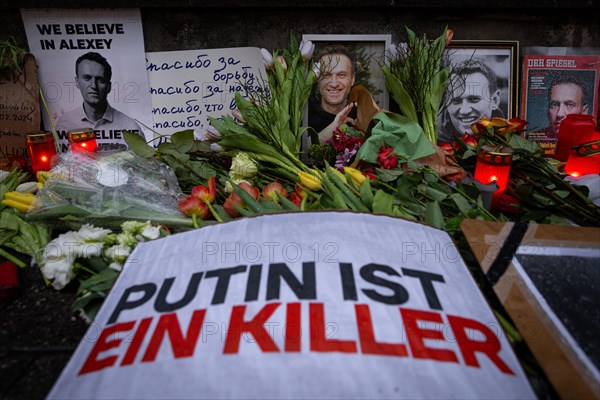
38,331
193,24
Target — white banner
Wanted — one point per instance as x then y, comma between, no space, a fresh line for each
99,42
302,305
189,86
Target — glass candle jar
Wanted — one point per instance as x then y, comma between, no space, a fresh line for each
574,130
82,140
493,165
584,159
41,148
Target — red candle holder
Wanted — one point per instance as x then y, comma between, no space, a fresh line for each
584,159
574,130
10,286
493,165
41,149
82,140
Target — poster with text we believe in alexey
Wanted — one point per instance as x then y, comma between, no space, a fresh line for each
92,70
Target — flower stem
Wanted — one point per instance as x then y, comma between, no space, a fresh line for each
195,221
54,134
213,211
12,258
86,269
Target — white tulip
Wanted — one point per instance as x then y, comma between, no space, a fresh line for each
267,58
238,115
307,48
217,148
213,133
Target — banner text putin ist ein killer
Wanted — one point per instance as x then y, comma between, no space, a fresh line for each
184,341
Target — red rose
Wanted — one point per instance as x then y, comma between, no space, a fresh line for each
386,158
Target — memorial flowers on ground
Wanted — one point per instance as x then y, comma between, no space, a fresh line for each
251,162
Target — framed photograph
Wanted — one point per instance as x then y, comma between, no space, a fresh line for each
484,80
367,52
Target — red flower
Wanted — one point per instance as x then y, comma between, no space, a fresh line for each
229,208
296,198
17,162
518,124
191,205
235,200
206,193
268,191
338,140
447,147
386,158
469,140
508,204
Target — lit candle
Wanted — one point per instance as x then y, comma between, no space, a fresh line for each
584,159
41,149
82,140
493,165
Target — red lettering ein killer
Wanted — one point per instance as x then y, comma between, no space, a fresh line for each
361,340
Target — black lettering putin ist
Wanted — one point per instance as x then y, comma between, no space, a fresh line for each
304,287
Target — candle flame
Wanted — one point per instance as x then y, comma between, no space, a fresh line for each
575,174
44,158
493,178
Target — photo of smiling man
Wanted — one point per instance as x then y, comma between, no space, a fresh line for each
335,83
93,76
473,93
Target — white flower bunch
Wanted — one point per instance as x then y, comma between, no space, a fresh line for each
58,261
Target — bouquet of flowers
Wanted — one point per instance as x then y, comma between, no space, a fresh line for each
341,150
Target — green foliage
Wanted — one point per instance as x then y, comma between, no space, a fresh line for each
417,79
11,58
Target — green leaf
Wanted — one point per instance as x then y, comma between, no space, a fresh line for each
366,194
168,148
388,175
96,263
138,145
463,205
563,194
183,140
102,281
222,213
400,95
434,216
383,202
432,193
517,142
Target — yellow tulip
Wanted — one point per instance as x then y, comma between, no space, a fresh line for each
309,181
356,175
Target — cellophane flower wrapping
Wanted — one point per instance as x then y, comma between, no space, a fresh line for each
113,188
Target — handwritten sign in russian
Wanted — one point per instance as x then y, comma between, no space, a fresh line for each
187,87
19,110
